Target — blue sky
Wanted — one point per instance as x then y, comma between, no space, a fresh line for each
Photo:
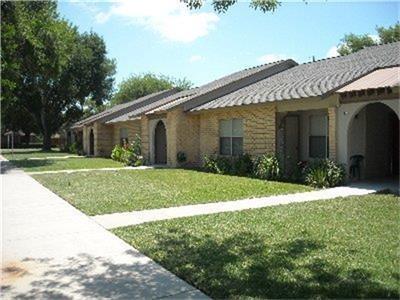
163,37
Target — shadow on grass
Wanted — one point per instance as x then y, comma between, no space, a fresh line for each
244,266
27,164
85,276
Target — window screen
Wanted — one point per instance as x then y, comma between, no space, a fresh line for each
123,135
318,138
231,137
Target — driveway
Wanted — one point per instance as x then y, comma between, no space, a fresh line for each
52,250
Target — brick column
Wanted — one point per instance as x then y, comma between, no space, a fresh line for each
332,115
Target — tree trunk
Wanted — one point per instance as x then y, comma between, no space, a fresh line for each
27,138
46,140
46,131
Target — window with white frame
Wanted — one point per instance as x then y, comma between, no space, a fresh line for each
318,137
123,136
231,137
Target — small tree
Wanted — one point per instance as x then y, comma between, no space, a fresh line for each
352,43
144,84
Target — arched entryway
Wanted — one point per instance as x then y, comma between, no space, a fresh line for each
160,143
91,142
374,134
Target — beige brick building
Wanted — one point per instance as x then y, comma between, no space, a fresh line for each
335,108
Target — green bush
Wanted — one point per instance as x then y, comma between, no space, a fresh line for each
217,164
181,157
243,165
116,153
324,173
130,155
267,167
73,148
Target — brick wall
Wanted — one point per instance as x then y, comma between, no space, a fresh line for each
103,139
332,114
182,135
134,127
258,129
144,124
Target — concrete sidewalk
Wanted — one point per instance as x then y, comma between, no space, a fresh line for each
115,220
52,250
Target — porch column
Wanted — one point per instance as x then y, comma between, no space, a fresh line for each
332,115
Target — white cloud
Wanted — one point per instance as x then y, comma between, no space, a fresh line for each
170,18
375,37
269,58
332,52
195,58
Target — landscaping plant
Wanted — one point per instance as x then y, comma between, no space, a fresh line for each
130,155
242,165
267,167
324,173
217,164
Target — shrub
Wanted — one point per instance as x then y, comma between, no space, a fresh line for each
116,153
181,157
243,165
129,154
267,167
73,148
324,173
217,164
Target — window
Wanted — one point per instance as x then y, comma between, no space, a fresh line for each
231,137
318,137
123,136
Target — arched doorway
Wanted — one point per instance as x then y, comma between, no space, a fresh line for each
91,142
374,133
160,143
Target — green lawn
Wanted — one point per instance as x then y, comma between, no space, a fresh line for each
19,154
126,190
326,249
65,164
22,158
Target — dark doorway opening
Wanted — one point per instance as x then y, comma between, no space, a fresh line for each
91,142
160,143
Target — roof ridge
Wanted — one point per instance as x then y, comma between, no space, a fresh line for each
353,53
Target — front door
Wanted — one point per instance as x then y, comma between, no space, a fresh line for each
291,143
160,143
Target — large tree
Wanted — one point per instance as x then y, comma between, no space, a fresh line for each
141,85
222,6
49,68
352,43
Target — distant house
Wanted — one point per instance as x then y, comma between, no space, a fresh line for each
333,108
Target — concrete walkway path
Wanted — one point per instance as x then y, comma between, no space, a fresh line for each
50,250
115,220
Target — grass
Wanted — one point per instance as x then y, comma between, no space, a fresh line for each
21,158
126,190
20,154
344,248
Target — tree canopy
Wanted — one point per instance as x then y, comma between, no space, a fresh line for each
221,6
141,85
352,43
49,68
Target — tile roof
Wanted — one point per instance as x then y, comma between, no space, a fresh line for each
230,83
210,90
388,77
311,79
151,107
124,108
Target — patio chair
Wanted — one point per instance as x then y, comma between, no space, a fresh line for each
355,165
